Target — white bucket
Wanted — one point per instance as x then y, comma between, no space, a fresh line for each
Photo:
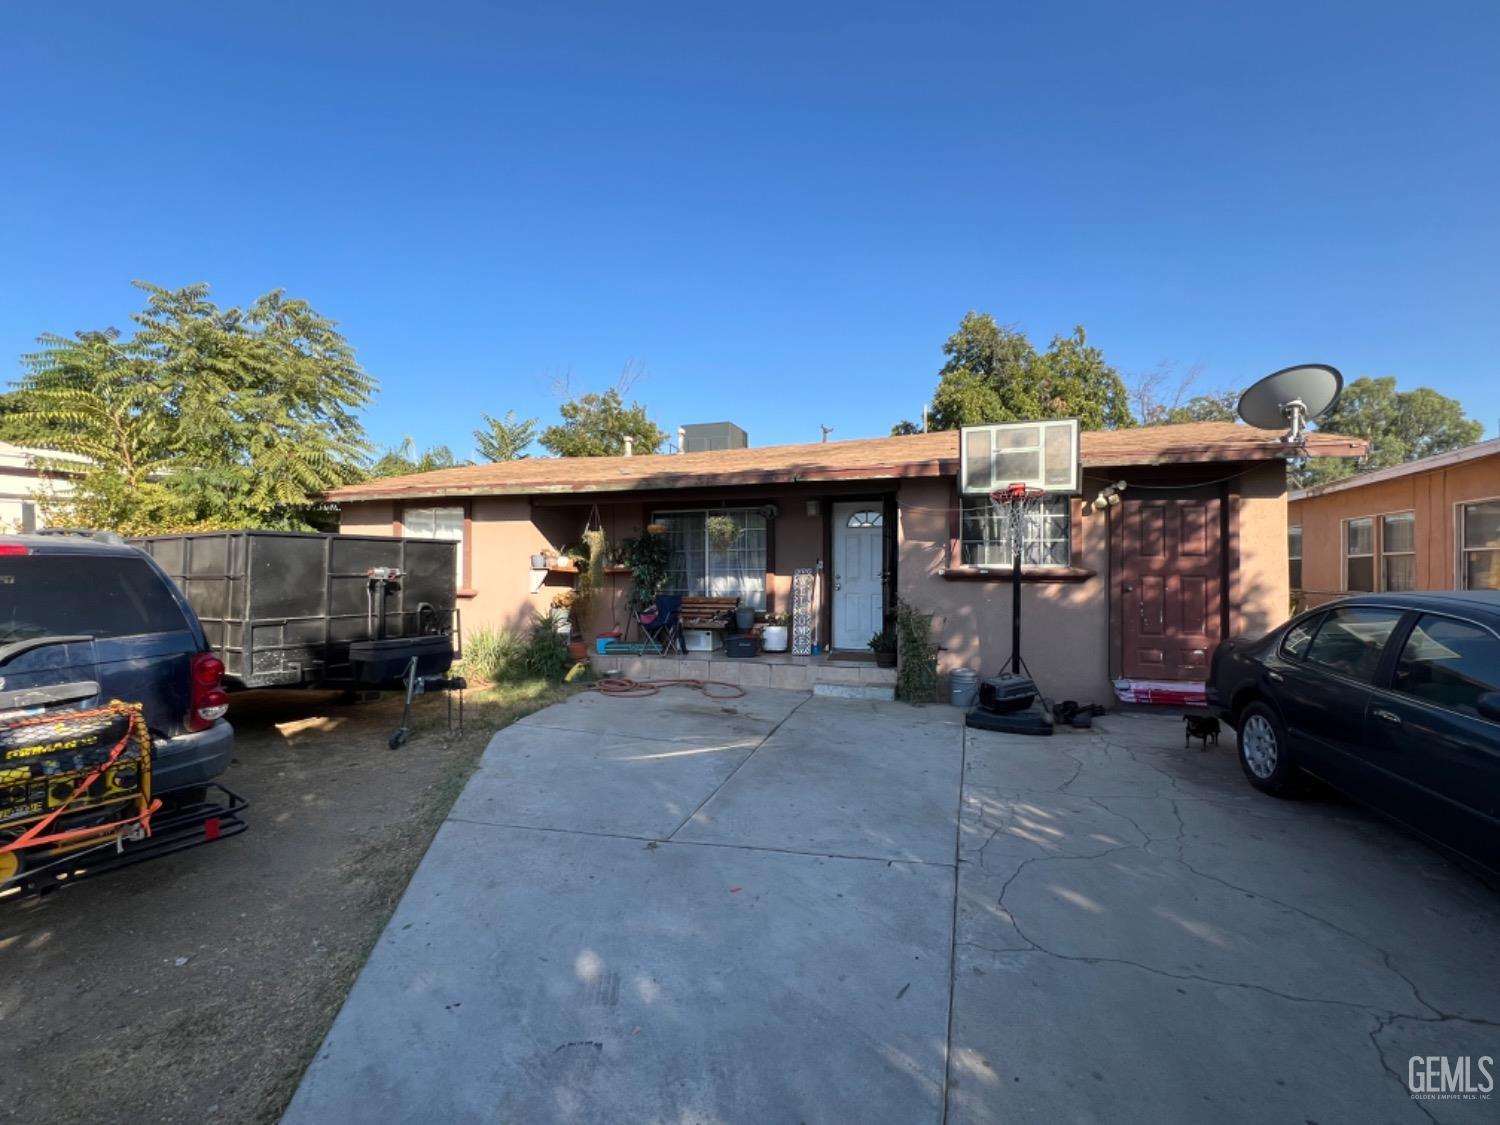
962,684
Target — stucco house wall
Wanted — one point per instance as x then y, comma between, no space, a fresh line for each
1433,495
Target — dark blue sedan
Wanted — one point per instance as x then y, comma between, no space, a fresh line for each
1393,699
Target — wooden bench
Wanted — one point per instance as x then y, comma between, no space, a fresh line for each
708,613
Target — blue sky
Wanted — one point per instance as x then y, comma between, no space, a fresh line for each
777,211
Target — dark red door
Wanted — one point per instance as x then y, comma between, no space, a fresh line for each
1171,587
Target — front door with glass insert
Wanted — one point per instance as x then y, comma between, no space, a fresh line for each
858,573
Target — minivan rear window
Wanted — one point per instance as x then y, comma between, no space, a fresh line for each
47,595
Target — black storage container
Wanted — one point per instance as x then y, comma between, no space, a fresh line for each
282,609
1006,692
744,645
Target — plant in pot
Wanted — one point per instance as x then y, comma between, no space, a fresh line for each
562,608
773,632
649,559
883,645
723,533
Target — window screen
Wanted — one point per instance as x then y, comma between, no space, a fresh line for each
985,533
702,568
1481,539
437,523
1359,555
1398,546
94,596
1449,663
1294,556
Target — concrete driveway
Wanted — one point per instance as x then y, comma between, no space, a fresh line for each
787,908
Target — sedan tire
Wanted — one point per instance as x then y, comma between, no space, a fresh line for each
1266,754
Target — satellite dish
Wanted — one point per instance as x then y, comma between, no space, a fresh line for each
1291,397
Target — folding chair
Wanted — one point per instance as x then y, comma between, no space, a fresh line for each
661,625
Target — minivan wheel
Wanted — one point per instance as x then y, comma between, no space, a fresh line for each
1265,754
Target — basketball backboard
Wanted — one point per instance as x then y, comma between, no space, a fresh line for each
1041,455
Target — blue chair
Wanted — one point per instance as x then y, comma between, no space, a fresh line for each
661,625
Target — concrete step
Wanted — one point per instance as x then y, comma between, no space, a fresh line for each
856,691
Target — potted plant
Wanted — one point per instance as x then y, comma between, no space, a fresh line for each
773,632
649,559
883,645
656,529
723,533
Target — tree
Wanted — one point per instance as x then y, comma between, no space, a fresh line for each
403,459
994,374
596,425
905,428
1218,406
1400,426
505,439
205,417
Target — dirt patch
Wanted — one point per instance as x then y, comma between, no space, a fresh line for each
197,987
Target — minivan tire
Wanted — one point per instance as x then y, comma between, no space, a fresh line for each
1266,753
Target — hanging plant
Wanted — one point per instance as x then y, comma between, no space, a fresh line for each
723,532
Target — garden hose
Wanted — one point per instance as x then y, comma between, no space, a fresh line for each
623,688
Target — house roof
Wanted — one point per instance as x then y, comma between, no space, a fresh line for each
914,455
1483,449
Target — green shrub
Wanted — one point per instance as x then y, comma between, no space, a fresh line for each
916,676
495,655
547,650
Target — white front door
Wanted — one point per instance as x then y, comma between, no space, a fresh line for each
858,583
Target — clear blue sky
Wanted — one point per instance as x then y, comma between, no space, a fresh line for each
779,210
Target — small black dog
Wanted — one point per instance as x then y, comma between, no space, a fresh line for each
1203,727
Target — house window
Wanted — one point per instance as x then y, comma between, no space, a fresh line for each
985,533
1359,555
1480,540
700,568
866,519
1398,547
437,523
1294,556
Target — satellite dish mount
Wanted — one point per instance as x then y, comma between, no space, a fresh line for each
1291,397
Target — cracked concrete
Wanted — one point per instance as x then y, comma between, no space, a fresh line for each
1142,937
786,908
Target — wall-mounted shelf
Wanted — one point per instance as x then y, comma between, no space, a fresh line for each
539,574
617,570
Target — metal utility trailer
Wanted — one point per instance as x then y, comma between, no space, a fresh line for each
291,609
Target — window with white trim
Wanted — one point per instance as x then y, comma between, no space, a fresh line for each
984,536
702,568
437,523
1479,538
1398,552
1359,555
1294,556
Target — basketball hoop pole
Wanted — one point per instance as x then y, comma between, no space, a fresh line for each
1020,499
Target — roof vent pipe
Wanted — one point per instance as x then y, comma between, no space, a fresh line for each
629,446
681,439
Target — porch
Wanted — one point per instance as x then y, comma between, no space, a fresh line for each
845,675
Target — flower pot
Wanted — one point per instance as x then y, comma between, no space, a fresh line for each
773,638
885,660
656,529
563,623
744,618
538,562
578,651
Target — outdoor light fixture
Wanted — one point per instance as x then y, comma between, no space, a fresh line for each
1109,496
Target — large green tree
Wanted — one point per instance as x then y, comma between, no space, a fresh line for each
596,425
1400,426
994,374
505,439
203,417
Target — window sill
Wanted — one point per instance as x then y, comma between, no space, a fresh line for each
1002,574
465,592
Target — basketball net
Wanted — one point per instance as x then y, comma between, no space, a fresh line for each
1024,504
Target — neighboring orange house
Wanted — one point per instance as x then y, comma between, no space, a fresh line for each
1432,524
1195,551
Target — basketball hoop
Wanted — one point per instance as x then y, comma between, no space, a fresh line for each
1023,504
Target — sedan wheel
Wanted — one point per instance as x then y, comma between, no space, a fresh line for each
1265,754
1258,742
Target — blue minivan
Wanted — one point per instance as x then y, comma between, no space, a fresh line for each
85,620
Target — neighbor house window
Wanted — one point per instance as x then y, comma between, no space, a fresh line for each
985,533
1398,546
701,568
437,523
1359,555
1294,556
1479,526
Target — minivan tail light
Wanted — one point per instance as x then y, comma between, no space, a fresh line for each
210,700
14,549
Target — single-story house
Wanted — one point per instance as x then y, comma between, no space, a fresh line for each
1195,549
1432,524
24,484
